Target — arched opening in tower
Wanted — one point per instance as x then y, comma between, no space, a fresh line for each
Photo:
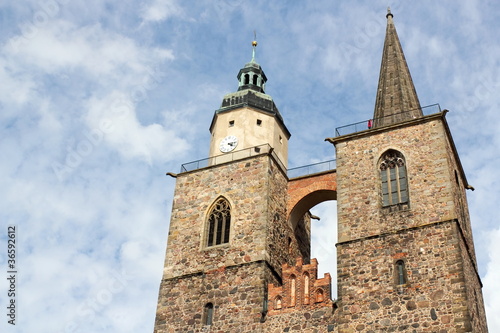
314,223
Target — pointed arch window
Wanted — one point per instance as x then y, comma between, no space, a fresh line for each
320,295
219,223
278,303
394,179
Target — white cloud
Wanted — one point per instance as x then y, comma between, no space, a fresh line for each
159,10
18,90
93,50
114,119
106,61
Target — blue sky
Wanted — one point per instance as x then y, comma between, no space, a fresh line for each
98,99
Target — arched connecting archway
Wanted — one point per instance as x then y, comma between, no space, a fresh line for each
308,202
305,193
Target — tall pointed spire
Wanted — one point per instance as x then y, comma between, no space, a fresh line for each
396,99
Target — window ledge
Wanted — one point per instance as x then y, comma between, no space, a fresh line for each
404,206
218,246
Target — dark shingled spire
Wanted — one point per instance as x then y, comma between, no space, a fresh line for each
397,99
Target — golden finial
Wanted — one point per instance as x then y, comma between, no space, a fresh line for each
254,45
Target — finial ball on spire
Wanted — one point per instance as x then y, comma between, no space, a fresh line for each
389,12
254,45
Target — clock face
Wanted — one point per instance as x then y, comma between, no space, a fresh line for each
228,143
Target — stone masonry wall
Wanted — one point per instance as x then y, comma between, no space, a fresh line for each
432,300
234,276
359,185
249,280
302,233
281,243
237,293
460,198
473,283
474,295
431,235
246,185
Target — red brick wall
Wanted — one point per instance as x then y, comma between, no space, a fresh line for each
306,192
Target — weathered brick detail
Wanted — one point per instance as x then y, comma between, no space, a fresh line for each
293,307
300,188
303,194
301,289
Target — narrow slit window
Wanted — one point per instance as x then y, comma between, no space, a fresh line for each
259,122
306,288
231,123
293,290
208,314
400,272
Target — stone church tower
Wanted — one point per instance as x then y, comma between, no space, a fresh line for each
238,254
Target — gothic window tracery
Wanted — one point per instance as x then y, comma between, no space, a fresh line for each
394,178
219,223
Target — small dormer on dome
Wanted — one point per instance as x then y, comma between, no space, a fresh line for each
252,76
